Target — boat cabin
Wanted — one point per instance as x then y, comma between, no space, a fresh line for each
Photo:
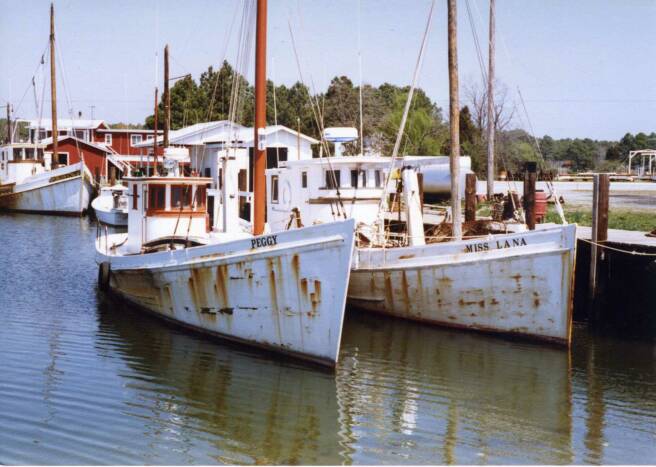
168,209
19,161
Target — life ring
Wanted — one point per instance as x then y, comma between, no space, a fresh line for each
104,273
286,198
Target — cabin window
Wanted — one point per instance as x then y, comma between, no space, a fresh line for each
29,153
378,178
358,178
303,179
156,197
108,140
274,188
208,172
180,196
275,156
135,139
200,197
62,158
135,196
242,180
332,179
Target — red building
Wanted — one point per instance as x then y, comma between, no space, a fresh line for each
100,145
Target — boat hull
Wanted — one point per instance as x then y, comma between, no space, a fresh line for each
287,295
62,191
517,284
108,215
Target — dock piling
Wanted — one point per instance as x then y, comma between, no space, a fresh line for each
470,197
600,191
529,194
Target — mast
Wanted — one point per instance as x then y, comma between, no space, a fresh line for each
490,108
155,172
259,166
454,120
9,123
167,98
53,88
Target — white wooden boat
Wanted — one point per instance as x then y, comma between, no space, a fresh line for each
111,206
26,186
285,292
507,283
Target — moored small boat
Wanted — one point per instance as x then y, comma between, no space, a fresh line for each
111,206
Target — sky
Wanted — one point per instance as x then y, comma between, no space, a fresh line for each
584,68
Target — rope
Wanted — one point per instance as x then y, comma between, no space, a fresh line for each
619,250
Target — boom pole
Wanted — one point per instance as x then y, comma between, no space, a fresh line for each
491,120
454,120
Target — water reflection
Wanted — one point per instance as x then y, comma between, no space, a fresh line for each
439,396
254,409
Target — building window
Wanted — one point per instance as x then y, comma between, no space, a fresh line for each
62,158
303,179
135,139
108,140
135,196
332,179
208,172
180,196
274,188
80,134
378,178
156,197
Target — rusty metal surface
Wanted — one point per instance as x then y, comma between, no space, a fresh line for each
288,296
524,288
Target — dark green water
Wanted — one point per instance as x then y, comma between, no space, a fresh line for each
83,380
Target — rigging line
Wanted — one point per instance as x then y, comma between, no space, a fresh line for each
60,59
406,110
36,70
319,123
477,45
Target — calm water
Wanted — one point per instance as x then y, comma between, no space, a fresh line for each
84,380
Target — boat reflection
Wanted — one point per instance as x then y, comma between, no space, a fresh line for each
249,408
442,396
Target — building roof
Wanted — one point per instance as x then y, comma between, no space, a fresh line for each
128,130
65,124
218,132
195,134
99,146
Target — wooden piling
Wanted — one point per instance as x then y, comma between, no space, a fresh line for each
600,192
529,194
112,175
470,197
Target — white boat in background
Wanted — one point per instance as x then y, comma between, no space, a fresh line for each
284,292
26,185
111,206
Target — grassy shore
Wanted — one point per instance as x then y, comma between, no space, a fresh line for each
625,219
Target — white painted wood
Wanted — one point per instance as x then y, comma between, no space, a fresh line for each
62,190
111,206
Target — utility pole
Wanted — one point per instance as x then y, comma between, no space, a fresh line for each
167,98
53,89
454,119
155,171
490,108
